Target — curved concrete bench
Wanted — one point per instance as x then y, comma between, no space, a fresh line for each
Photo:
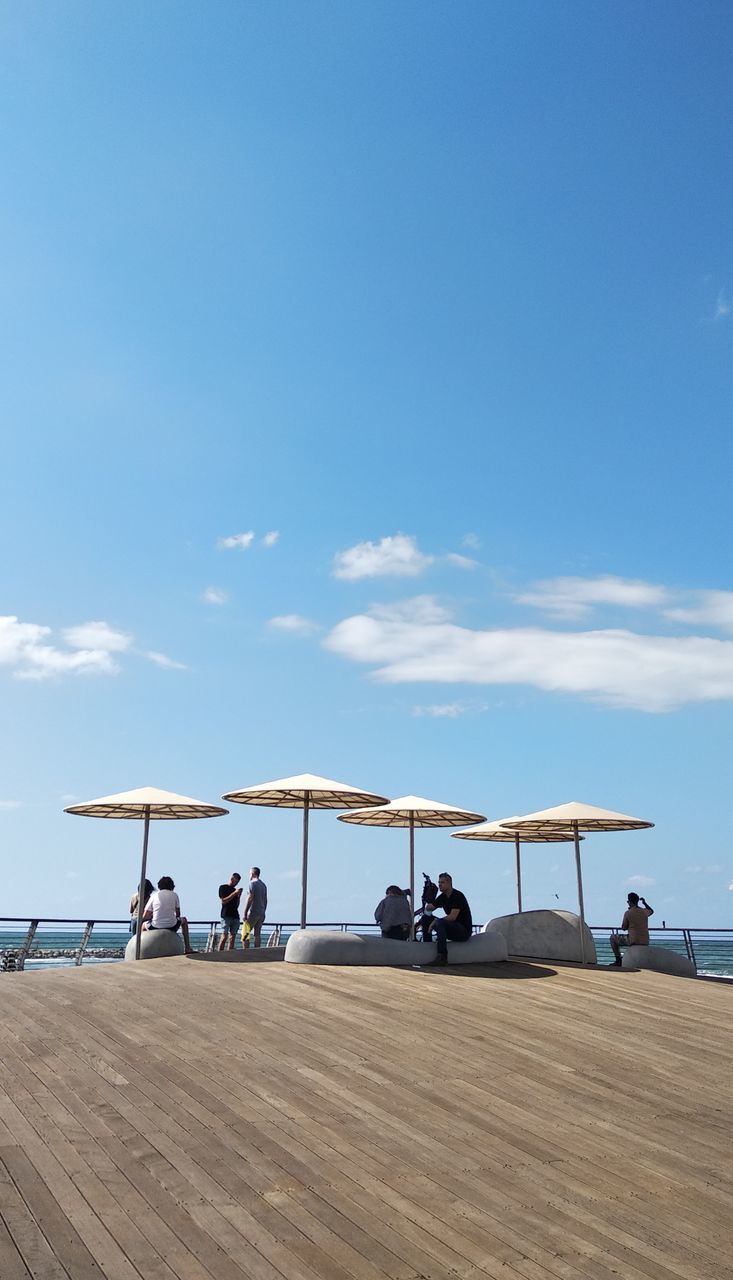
322,946
155,944
660,959
544,935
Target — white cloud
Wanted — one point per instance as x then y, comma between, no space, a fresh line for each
641,882
617,667
23,647
448,710
714,608
271,538
471,540
294,623
461,562
574,598
10,804
240,541
162,660
97,635
397,556
214,595
418,609
292,874
694,870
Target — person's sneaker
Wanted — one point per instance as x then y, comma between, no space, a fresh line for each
615,964
432,964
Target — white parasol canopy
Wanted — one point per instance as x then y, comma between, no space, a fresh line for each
412,811
502,832
305,791
578,817
146,803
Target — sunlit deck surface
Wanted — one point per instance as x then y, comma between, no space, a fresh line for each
205,1121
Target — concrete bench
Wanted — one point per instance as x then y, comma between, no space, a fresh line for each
660,959
155,944
545,935
323,946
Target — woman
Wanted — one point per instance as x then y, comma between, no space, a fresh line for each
163,911
133,904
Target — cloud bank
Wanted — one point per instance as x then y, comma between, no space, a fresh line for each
415,641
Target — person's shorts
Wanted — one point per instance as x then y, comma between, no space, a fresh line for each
623,939
256,922
172,928
229,924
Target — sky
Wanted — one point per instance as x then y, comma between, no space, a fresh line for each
366,397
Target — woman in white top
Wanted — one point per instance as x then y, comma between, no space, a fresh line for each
163,911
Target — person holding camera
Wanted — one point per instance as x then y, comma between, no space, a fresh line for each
394,913
634,928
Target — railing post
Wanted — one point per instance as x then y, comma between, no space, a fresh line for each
26,946
84,942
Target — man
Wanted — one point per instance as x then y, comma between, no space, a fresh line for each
455,926
634,928
394,913
255,907
229,896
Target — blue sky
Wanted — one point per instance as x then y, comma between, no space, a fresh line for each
437,296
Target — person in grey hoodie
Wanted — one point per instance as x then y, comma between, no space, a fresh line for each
394,913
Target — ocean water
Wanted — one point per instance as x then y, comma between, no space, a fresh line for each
713,952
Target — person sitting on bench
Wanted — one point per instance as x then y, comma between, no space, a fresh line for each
394,913
455,926
634,928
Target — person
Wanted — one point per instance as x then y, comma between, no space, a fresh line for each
394,913
455,926
229,896
634,928
255,908
133,904
163,911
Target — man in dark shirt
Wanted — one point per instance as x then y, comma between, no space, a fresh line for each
455,926
229,896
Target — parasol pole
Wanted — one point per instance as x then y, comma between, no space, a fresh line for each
412,871
576,835
141,890
304,870
517,846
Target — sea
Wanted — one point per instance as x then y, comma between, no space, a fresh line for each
713,951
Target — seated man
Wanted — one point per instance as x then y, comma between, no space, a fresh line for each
163,911
394,913
635,928
455,926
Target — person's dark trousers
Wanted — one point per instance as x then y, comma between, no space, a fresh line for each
398,931
449,931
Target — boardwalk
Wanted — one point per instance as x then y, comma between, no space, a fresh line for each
176,1120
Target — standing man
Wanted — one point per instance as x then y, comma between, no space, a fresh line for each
229,896
634,928
456,925
255,908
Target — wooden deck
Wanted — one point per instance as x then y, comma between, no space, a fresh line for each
181,1121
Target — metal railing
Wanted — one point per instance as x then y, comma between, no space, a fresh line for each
44,939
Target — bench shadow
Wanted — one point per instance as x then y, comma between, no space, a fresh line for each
511,970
